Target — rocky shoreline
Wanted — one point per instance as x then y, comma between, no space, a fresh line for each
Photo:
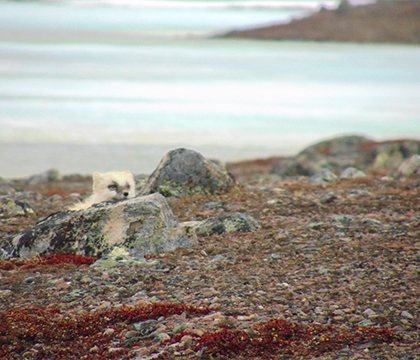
327,266
381,22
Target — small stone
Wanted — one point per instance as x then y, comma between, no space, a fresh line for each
323,176
282,234
186,340
407,315
162,337
109,331
323,270
355,193
246,317
318,310
179,328
369,312
5,293
338,312
145,328
328,198
131,334
351,173
196,332
275,256
94,349
29,280
366,322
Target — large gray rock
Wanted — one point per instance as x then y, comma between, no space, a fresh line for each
343,152
182,172
335,154
142,225
410,166
390,154
6,188
48,176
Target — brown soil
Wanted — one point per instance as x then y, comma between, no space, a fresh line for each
343,255
383,22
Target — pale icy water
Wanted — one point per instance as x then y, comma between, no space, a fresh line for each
105,87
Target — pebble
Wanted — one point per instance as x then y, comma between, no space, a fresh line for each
352,172
366,322
162,337
131,334
407,315
339,312
186,340
5,293
369,312
323,176
145,328
319,310
109,331
29,280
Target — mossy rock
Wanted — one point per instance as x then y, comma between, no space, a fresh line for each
142,225
184,172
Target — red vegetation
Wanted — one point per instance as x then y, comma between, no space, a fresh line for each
281,336
55,259
46,334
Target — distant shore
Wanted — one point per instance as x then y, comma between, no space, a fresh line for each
382,22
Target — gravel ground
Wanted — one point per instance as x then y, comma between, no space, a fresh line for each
330,260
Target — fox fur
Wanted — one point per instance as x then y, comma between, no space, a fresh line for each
116,185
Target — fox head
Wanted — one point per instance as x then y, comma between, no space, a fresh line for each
114,185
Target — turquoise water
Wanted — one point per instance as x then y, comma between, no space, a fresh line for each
123,84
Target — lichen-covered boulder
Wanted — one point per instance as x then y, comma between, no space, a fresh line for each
410,166
335,154
13,205
225,223
142,225
343,152
6,188
390,154
48,176
182,172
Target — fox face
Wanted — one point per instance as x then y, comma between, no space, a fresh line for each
107,187
114,185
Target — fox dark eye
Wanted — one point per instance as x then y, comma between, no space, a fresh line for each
113,187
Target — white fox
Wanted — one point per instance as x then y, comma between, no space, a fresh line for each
116,185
